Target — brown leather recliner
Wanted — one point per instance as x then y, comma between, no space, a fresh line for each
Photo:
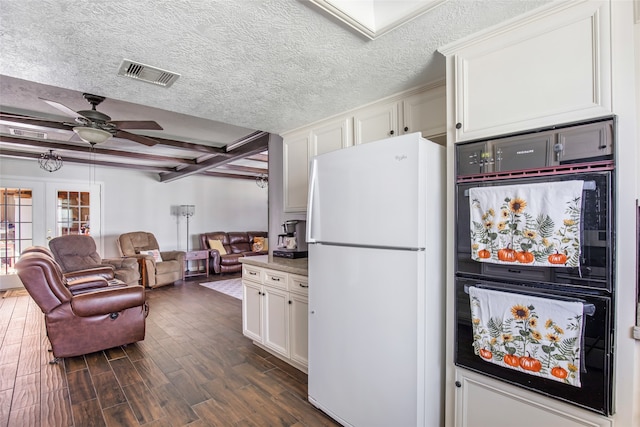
84,323
81,281
237,244
154,273
77,252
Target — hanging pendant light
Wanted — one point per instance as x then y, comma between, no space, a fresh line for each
50,162
262,181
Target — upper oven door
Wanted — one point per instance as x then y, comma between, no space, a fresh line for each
596,237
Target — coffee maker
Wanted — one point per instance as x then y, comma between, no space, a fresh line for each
292,243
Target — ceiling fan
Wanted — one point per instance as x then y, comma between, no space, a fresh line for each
95,127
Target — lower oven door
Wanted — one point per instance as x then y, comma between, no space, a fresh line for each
514,347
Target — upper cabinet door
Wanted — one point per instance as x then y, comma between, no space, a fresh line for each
330,137
425,112
547,69
296,172
376,123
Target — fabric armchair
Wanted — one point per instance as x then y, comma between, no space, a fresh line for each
158,268
96,320
77,256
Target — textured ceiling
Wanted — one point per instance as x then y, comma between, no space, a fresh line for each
270,65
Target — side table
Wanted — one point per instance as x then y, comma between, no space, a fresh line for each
199,256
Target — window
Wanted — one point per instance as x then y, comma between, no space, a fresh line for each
73,212
16,226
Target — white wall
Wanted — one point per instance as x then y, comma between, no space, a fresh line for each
138,201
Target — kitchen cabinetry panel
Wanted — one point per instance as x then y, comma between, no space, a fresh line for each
296,172
252,310
479,404
275,313
276,325
299,323
376,123
425,112
522,78
330,137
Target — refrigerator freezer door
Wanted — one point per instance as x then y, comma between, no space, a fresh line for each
375,194
367,336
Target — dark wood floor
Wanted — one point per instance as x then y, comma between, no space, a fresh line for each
193,368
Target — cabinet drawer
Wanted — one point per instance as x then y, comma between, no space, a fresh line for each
277,279
298,284
251,273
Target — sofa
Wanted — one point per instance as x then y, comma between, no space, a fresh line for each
226,248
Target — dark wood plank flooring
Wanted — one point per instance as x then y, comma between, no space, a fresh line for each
193,368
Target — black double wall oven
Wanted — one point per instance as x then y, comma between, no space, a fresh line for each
535,264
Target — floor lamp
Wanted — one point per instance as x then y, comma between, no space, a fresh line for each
187,211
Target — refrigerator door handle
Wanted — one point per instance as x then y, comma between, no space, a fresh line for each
310,211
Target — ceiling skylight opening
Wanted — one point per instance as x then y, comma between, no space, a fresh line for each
374,18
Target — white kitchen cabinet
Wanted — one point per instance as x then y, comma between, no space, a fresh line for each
376,122
296,172
332,136
425,112
482,401
252,310
520,77
276,320
275,313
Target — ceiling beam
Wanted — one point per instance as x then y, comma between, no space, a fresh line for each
25,155
258,144
245,169
50,145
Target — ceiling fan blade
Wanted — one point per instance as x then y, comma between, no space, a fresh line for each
136,138
137,124
68,111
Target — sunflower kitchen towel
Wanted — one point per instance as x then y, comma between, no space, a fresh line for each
535,224
537,336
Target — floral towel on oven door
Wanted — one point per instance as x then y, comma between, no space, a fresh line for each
535,224
537,336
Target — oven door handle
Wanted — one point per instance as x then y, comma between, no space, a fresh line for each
587,185
587,308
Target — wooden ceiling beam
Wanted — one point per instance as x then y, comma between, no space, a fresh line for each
256,145
51,145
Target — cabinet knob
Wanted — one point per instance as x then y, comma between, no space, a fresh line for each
406,128
458,384
290,302
458,125
391,132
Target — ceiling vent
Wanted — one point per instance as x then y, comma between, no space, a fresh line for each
146,73
27,133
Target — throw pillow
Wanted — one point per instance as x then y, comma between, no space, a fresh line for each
155,253
217,244
259,244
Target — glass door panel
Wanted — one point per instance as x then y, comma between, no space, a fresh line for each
16,225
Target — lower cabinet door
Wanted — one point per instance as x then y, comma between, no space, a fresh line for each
252,310
299,325
481,402
276,320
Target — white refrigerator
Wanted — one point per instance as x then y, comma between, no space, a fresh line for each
375,228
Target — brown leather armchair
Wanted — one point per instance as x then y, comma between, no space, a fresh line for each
77,252
88,322
154,273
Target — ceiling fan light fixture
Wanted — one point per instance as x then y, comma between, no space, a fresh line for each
92,135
